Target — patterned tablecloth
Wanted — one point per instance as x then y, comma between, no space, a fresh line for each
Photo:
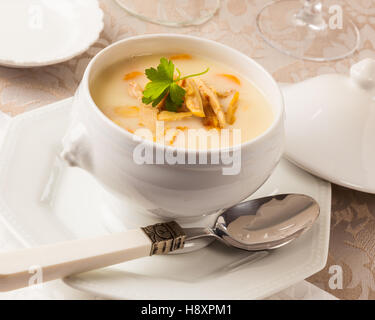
352,245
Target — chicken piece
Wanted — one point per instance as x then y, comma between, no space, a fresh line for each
193,98
232,108
135,90
213,101
173,116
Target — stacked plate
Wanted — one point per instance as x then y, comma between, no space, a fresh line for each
39,33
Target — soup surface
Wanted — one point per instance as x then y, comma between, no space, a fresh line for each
227,108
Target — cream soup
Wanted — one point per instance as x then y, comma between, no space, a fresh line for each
217,100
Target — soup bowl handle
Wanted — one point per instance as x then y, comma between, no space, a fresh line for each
76,147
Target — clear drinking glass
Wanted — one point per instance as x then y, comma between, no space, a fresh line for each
304,29
172,13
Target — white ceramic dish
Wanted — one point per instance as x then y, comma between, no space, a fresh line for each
330,126
183,191
41,205
38,33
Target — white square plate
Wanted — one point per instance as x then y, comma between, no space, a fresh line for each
74,207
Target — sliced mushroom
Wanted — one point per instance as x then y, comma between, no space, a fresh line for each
210,120
193,98
213,100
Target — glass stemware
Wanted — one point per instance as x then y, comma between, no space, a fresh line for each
172,13
304,29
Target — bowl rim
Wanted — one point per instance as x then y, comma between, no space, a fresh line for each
279,117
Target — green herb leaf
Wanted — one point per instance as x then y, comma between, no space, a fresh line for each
176,93
170,105
154,89
166,69
162,83
157,100
152,74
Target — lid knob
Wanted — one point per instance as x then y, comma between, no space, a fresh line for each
363,73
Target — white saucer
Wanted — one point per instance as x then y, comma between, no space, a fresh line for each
77,209
38,33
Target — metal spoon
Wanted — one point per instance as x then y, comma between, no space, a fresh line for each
260,224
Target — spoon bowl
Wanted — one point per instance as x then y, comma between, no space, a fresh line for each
262,224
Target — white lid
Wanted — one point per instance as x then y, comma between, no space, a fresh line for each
330,126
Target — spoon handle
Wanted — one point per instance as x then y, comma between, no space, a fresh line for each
59,260
198,233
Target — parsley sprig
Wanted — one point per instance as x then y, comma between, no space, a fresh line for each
162,84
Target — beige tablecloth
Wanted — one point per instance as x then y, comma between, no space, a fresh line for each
352,245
